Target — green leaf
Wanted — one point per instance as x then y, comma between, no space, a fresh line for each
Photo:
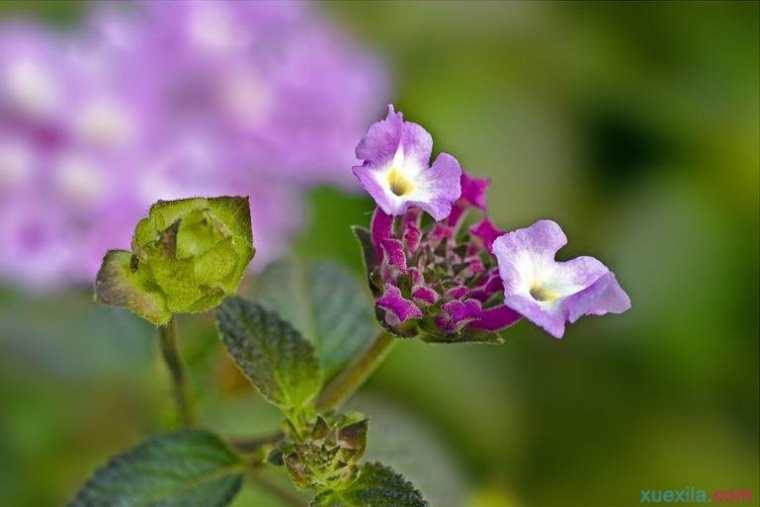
376,486
325,302
465,335
187,255
186,469
279,362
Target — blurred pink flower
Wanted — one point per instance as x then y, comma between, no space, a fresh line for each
162,100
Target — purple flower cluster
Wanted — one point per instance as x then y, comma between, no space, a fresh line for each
163,100
437,279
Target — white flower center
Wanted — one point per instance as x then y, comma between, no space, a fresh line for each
399,184
31,87
543,280
401,179
543,294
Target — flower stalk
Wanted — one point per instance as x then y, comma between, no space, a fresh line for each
351,379
168,340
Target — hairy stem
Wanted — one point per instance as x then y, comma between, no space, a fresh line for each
350,379
168,339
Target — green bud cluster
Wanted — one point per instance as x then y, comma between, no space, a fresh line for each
187,255
327,457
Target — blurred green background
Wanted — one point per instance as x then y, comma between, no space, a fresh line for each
634,125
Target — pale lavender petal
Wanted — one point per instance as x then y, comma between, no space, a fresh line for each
382,139
402,308
417,143
604,296
544,237
551,320
365,174
443,180
551,293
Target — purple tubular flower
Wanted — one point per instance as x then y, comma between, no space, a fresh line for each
396,171
487,233
433,281
551,293
473,194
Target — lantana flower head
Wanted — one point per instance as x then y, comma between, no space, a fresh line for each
439,280
434,279
551,293
396,169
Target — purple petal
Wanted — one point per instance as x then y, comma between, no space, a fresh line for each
394,253
412,231
402,308
382,139
381,228
486,232
416,276
458,314
441,231
425,295
474,190
473,194
491,286
495,319
457,292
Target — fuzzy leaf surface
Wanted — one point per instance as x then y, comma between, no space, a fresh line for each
185,469
326,303
274,356
376,486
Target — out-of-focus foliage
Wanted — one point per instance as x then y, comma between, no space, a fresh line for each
636,126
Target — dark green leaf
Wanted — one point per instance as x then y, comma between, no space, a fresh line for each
376,486
270,352
186,469
325,302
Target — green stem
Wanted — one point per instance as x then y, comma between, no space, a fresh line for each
350,379
168,339
255,443
287,496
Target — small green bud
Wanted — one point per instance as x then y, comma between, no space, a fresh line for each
187,255
328,457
